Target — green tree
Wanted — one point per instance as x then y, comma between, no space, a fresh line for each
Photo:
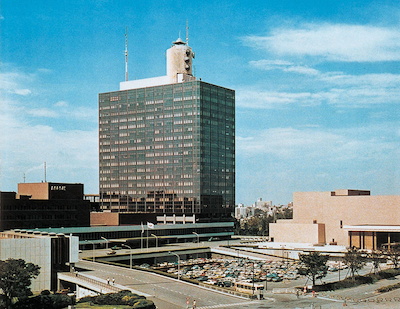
313,265
15,280
286,213
355,259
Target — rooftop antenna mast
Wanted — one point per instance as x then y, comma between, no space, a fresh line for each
187,32
126,54
45,171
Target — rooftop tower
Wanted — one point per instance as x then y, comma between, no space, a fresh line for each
179,60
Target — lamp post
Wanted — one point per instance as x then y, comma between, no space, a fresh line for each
179,272
156,239
198,237
253,277
130,255
93,248
106,241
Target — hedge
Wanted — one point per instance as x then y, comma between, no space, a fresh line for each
358,280
121,298
44,301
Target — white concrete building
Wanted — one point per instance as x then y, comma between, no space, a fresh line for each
52,252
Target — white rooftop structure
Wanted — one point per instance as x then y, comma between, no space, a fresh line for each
179,68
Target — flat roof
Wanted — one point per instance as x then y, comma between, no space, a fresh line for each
119,228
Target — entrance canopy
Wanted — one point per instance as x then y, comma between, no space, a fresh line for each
373,237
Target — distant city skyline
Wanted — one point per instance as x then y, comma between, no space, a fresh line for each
317,86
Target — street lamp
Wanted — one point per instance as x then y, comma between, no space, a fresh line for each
106,241
198,237
253,278
93,248
130,255
156,239
238,250
169,252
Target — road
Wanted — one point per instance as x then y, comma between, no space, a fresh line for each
166,293
170,293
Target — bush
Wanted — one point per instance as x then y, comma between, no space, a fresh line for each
43,301
358,280
389,288
143,304
121,298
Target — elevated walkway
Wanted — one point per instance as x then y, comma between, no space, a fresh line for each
243,253
86,285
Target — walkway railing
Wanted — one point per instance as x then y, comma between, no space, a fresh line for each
97,284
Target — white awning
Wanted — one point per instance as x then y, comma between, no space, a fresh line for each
372,228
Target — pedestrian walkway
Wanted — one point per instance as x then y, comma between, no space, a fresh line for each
367,295
226,305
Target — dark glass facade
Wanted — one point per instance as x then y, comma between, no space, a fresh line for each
168,149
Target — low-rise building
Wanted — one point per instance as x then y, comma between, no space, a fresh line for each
45,204
343,217
52,252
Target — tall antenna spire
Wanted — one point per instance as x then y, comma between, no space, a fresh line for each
187,32
126,54
45,172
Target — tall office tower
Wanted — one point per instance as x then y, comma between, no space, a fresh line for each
167,145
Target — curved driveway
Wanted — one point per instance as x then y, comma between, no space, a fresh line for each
167,293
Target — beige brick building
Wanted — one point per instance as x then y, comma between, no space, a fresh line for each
343,217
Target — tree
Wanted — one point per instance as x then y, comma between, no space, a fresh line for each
355,259
15,279
376,258
313,265
394,255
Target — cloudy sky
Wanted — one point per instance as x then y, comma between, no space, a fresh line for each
317,86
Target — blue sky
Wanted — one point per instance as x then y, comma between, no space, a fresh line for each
317,86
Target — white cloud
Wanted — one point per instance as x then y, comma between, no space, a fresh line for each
386,80
309,144
42,112
22,91
26,141
334,88
271,99
334,42
10,83
45,71
282,65
61,104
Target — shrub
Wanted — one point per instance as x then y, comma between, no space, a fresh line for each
358,280
388,288
51,301
121,298
143,304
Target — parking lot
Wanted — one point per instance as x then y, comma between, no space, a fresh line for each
225,271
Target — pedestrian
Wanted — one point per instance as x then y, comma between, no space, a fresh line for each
297,293
313,293
194,304
108,281
113,281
